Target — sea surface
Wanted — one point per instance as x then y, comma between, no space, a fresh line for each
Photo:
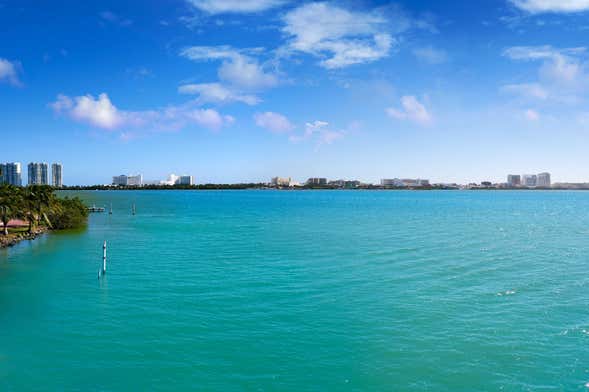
304,291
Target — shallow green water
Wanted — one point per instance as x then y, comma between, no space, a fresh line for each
297,291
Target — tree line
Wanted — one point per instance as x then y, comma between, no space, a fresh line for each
39,206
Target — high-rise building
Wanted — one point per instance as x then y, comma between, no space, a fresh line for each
317,181
415,182
11,173
120,180
56,176
529,180
2,173
38,174
136,180
543,180
281,181
514,180
185,180
124,180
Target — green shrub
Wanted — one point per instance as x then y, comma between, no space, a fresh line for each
68,214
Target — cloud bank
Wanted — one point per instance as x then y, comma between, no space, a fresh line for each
339,36
216,93
553,6
235,6
101,113
563,74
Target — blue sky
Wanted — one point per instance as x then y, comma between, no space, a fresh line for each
243,90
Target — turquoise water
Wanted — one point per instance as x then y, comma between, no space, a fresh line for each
304,291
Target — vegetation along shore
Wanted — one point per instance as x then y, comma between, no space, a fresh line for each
25,213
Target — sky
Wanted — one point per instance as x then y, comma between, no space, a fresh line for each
244,90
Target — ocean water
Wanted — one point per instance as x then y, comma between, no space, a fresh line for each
304,291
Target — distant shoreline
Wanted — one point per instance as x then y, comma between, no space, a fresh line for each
206,187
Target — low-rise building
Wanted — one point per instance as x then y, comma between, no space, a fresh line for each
409,182
345,183
394,182
571,185
405,182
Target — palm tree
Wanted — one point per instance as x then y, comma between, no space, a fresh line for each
10,200
44,202
29,206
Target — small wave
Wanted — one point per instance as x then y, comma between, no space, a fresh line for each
506,292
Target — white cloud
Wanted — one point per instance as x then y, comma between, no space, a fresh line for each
531,115
235,6
245,72
101,113
274,122
563,73
540,52
318,131
216,93
412,110
339,36
9,72
431,55
237,67
199,53
527,90
210,118
554,6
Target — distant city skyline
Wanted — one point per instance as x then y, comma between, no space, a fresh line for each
455,91
38,174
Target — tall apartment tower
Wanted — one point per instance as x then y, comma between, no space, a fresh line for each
11,173
543,180
530,180
185,180
38,174
514,180
56,178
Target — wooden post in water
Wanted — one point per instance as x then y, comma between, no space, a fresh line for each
104,258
